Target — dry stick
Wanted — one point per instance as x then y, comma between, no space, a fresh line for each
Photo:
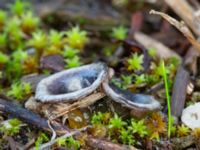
185,11
162,51
105,145
48,144
181,27
29,117
82,103
52,130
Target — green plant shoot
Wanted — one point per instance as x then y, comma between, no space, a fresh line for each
168,99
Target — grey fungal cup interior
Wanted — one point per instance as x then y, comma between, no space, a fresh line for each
71,84
130,100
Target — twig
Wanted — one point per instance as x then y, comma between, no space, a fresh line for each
48,144
181,27
29,117
162,51
52,130
105,145
155,88
81,103
185,11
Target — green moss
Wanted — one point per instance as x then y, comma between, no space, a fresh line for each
41,138
69,52
119,33
3,58
3,17
109,50
55,38
3,40
76,38
14,33
11,127
158,69
100,118
126,81
19,90
135,62
126,136
123,82
182,130
14,68
138,127
73,62
38,40
97,118
72,143
140,79
19,55
152,79
29,23
19,7
116,122
12,25
152,52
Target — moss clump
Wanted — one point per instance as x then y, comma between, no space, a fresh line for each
19,90
29,23
135,62
76,38
119,33
182,130
10,127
